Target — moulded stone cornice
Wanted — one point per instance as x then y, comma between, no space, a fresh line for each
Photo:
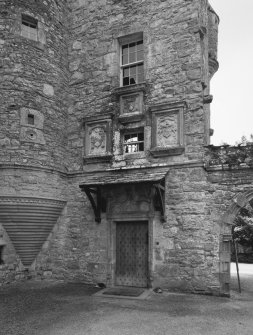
170,105
130,89
97,117
97,159
131,117
24,200
163,152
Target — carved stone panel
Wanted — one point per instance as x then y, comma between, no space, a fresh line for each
97,138
167,129
131,103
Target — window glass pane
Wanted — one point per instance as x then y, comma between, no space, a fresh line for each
126,81
134,142
133,70
30,119
140,71
133,138
140,68
125,59
140,55
126,72
140,77
133,148
141,146
140,45
125,49
29,21
140,136
132,57
133,80
132,47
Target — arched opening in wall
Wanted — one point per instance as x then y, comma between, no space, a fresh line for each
242,249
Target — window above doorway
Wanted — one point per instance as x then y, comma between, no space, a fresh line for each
132,63
133,142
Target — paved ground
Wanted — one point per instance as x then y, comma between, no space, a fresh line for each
44,308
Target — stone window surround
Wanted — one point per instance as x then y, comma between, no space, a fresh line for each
29,27
128,91
31,132
161,110
41,35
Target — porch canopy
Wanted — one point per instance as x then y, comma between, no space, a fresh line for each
94,181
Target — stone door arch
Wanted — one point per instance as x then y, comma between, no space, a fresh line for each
240,201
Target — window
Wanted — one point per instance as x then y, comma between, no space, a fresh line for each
29,27
132,63
133,142
1,254
30,119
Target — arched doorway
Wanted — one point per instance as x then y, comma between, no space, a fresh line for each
239,220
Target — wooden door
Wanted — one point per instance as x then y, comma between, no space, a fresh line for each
132,253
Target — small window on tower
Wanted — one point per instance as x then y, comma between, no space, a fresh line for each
30,119
29,28
1,254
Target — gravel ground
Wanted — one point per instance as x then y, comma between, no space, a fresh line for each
48,308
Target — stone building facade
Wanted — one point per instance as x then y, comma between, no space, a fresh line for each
105,119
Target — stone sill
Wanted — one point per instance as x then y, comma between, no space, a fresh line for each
163,152
130,89
131,117
97,159
97,117
135,155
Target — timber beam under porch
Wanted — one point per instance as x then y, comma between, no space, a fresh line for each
94,194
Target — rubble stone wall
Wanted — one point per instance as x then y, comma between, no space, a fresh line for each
34,81
173,62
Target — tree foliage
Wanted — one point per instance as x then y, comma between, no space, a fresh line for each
244,140
243,227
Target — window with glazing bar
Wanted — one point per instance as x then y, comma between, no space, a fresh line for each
29,28
132,63
133,142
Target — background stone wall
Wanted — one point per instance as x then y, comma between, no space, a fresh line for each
33,80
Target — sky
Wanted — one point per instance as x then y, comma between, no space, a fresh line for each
231,86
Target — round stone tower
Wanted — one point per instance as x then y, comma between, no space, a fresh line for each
33,83
33,123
